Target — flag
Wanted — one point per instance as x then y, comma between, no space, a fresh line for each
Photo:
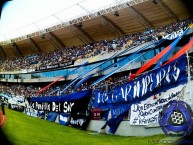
114,71
158,56
85,73
43,89
113,123
182,51
46,87
123,65
172,47
81,82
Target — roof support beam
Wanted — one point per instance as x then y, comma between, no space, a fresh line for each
111,26
170,13
16,50
143,20
82,35
52,40
2,52
34,46
57,41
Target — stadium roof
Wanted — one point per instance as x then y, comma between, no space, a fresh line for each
86,22
31,15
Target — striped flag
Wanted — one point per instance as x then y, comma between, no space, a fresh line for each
182,51
159,56
46,87
85,73
123,65
172,47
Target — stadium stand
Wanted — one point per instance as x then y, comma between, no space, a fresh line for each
88,50
57,58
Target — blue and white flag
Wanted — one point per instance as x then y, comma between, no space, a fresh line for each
64,118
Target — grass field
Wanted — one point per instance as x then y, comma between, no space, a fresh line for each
25,130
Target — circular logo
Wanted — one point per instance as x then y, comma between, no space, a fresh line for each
176,118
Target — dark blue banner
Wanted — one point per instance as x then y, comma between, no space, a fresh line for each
63,98
77,102
146,85
51,116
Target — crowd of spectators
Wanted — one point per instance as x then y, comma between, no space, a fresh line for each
73,53
18,90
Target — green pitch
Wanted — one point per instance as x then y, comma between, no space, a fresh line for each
25,130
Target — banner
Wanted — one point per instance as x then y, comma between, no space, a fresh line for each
16,107
173,44
153,82
72,108
4,96
44,67
147,112
113,123
182,51
51,116
62,64
60,78
173,35
63,104
79,121
97,66
64,118
49,85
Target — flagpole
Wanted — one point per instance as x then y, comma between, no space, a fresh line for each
43,89
188,65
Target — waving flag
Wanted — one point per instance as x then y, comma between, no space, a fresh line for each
172,47
114,71
82,81
43,89
181,51
85,73
123,65
46,87
160,55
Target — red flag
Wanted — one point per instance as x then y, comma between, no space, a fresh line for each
153,60
49,85
182,51
160,55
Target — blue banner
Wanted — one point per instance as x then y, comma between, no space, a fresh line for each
64,118
63,98
113,123
146,85
51,116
